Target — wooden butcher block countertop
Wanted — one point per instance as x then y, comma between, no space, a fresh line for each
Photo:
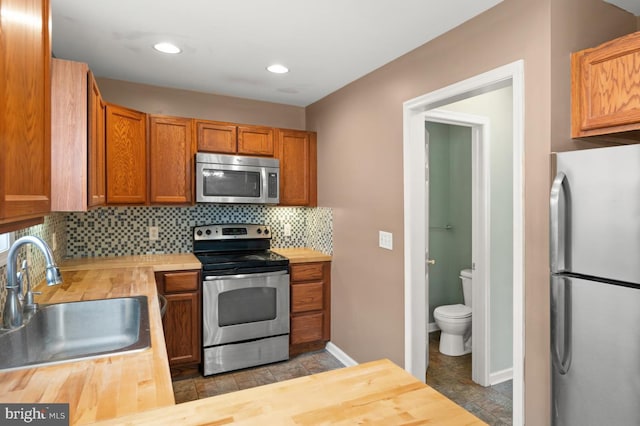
158,262
101,388
376,393
302,255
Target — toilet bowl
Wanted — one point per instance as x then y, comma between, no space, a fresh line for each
454,321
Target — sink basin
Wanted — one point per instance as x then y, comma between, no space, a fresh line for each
73,331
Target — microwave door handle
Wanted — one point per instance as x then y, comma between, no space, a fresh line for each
559,219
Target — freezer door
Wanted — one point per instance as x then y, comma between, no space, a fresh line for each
600,196
595,350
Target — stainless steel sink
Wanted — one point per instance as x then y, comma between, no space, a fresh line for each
73,331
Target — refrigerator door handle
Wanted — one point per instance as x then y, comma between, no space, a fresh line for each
561,323
559,212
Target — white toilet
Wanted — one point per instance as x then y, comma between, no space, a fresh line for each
454,321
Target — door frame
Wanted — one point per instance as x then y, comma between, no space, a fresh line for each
414,214
481,234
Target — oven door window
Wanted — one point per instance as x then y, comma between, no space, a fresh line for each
247,305
231,183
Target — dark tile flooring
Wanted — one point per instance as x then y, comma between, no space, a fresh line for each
301,365
451,376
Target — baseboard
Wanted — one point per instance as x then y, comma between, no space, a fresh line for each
340,355
432,327
501,376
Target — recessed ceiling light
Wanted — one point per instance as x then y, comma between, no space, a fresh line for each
166,48
277,69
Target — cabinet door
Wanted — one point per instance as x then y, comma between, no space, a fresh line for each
606,88
298,175
69,135
126,156
253,140
96,146
25,126
170,160
217,137
181,328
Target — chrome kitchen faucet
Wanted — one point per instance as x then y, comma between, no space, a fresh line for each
12,315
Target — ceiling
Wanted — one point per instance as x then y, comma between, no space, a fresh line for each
226,44
632,6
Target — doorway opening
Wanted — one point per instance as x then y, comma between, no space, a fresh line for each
416,231
464,243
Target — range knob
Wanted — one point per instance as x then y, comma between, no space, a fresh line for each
259,231
199,233
208,232
266,231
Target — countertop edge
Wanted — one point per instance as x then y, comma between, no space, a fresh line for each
302,255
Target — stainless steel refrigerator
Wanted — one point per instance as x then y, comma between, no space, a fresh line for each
595,287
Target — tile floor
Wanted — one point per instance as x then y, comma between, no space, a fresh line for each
301,365
451,376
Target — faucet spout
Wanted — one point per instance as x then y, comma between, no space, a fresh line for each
11,318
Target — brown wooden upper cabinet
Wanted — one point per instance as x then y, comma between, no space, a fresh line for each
78,180
97,173
297,152
171,153
25,127
126,156
230,138
606,89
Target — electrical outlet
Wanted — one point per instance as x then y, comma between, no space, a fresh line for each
54,242
385,240
153,233
287,229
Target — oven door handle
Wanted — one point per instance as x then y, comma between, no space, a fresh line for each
240,276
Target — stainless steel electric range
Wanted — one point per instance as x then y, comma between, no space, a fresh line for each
245,297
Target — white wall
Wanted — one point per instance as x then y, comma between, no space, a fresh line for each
496,105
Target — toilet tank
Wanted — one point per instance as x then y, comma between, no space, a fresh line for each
465,276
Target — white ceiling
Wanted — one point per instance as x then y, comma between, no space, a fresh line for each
227,44
632,6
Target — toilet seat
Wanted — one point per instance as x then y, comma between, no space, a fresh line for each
458,311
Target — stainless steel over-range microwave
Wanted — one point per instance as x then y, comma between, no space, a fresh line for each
237,179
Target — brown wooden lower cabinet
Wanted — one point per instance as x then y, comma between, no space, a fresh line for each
182,319
310,306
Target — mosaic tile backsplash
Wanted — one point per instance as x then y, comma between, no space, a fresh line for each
112,231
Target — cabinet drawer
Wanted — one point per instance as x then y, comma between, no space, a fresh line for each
306,271
306,297
306,328
180,281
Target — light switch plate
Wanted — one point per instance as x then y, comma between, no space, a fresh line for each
287,229
386,240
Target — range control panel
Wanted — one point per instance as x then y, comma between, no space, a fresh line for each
231,231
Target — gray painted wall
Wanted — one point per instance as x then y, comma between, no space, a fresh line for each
449,205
